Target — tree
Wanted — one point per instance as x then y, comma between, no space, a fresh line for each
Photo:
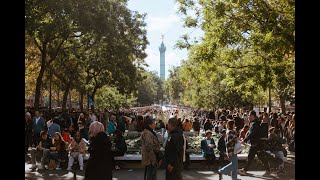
110,97
253,39
53,25
149,89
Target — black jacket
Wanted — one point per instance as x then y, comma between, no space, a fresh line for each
174,149
99,164
207,126
254,133
120,144
196,126
264,130
222,145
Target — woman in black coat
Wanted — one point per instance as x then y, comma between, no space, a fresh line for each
99,164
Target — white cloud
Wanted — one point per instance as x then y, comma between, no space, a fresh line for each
162,24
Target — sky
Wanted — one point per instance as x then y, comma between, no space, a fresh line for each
162,18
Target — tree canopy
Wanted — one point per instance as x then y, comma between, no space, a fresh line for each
247,48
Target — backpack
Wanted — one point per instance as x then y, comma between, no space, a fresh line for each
52,164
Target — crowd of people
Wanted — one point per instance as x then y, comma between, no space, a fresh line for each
61,137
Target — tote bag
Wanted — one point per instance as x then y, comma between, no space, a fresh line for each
238,147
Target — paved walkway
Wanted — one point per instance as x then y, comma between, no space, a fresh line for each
133,173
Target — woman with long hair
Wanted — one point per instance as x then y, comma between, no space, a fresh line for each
77,149
231,141
58,150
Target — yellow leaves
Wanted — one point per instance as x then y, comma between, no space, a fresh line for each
268,37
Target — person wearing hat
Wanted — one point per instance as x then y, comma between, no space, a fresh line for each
222,148
207,147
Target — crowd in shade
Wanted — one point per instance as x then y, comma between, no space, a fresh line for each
57,139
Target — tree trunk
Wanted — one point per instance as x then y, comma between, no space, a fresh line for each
70,103
38,89
270,106
81,101
65,97
50,94
283,104
40,76
92,98
58,99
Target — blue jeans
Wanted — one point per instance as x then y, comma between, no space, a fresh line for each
231,167
151,172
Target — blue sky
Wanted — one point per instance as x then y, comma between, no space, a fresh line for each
162,18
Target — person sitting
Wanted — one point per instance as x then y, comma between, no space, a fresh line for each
58,150
208,146
120,147
276,148
66,136
77,149
41,150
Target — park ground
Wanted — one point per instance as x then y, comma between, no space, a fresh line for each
132,170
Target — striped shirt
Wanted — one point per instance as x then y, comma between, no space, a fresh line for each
231,141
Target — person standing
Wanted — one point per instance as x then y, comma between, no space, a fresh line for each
99,166
222,148
38,125
150,150
257,146
28,132
196,126
94,128
231,141
174,151
54,127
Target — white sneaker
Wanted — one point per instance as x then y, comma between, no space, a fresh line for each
81,168
33,166
242,172
69,169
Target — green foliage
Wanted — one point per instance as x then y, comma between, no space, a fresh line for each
110,97
149,89
87,44
248,47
